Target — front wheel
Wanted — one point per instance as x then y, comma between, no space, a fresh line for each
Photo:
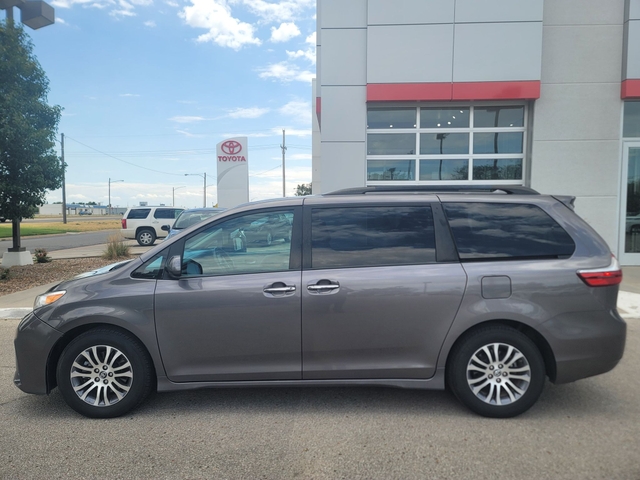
104,373
146,237
497,372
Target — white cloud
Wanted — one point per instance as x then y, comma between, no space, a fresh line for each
186,119
224,29
249,135
125,10
70,3
254,112
286,72
171,3
281,11
309,53
284,33
150,24
189,134
299,110
291,132
129,95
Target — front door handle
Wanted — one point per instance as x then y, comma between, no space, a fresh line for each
285,289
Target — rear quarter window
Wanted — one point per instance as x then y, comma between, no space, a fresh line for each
138,213
510,231
169,213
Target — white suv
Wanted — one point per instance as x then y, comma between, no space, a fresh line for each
144,223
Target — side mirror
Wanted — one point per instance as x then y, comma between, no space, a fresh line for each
166,228
174,266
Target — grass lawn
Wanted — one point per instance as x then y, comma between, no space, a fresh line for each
49,228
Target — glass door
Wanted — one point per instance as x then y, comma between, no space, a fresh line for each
630,238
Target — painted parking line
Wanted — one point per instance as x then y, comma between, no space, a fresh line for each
12,313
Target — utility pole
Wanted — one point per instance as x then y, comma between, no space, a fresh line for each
204,203
284,149
64,187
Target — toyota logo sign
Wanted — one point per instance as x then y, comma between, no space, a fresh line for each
231,147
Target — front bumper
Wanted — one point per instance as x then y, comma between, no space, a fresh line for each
33,344
585,343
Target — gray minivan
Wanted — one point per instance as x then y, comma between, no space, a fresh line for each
484,290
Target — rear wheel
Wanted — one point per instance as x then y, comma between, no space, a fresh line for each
146,237
496,372
104,373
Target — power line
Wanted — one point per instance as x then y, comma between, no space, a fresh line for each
124,161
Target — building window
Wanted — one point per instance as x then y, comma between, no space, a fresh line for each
477,143
631,122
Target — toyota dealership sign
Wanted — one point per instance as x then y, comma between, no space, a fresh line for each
233,172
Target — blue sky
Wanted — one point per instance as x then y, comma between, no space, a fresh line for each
149,87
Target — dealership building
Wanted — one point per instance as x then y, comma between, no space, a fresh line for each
541,93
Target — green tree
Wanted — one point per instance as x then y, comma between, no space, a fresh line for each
29,166
303,189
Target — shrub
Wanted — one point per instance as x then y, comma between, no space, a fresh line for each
41,255
116,248
5,273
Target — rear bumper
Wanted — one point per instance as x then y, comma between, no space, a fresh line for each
33,344
586,343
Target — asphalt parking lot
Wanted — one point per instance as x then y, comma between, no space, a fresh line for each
586,430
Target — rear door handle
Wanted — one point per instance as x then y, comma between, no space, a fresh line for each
322,287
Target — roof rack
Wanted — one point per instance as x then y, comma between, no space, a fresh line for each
499,189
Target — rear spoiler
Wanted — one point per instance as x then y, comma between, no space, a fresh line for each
568,200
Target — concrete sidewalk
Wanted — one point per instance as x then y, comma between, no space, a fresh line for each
17,305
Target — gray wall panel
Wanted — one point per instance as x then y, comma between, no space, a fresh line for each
344,14
343,165
582,54
474,11
319,71
577,112
602,214
576,167
583,12
487,52
398,54
633,50
632,10
346,50
344,114
403,12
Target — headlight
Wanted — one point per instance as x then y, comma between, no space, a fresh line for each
48,298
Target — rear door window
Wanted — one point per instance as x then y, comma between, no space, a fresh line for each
493,231
372,236
138,213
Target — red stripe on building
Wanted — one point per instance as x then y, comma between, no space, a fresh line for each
630,89
395,92
496,91
319,109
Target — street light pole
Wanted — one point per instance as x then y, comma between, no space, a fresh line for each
204,200
110,182
173,200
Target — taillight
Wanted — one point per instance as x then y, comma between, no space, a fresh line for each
124,223
602,277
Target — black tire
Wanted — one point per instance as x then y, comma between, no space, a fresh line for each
146,237
506,385
111,370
